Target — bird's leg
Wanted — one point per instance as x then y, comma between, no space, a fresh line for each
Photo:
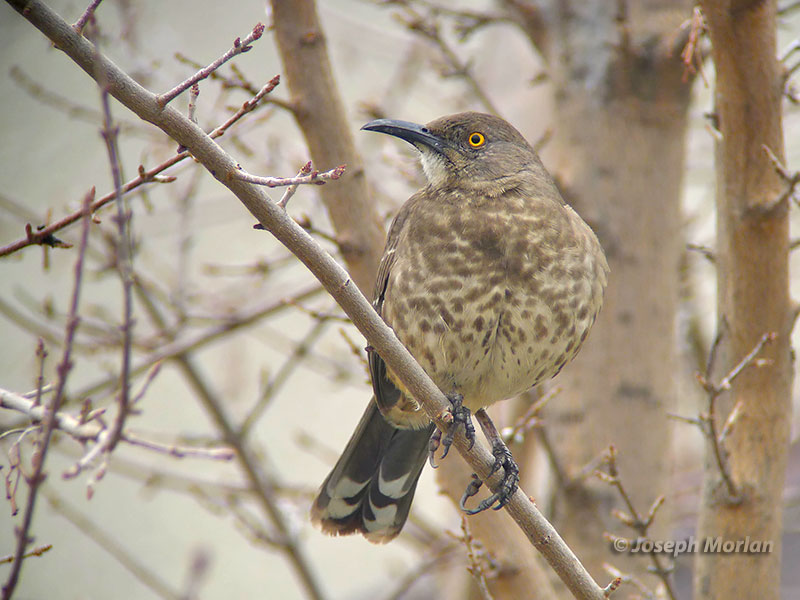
502,458
460,415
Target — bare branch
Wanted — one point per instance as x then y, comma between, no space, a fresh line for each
194,92
124,257
84,18
315,177
530,419
44,235
792,179
474,558
180,347
636,521
35,552
263,486
87,429
239,46
428,28
708,421
290,191
49,418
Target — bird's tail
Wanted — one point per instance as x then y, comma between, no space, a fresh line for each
370,489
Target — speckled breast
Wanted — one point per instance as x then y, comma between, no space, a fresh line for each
491,306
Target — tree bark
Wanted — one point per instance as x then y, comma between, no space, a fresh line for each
320,113
753,299
618,153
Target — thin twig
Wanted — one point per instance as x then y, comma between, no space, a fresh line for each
172,350
239,46
474,557
792,179
628,579
428,28
89,429
263,486
710,421
44,235
290,191
612,586
192,108
84,18
703,251
41,354
517,432
315,177
437,555
692,55
465,22
713,391
124,257
49,421
179,451
73,110
749,359
35,552
227,83
634,520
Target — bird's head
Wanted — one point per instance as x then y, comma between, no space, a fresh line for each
465,148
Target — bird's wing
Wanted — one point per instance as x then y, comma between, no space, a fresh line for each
386,392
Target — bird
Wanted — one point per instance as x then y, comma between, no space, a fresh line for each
492,282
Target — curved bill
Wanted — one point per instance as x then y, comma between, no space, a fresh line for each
413,133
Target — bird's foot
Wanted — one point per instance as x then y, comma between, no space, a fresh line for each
460,415
505,489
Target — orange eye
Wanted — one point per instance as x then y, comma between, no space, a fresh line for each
476,139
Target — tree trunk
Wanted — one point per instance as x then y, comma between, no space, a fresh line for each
319,112
753,299
618,153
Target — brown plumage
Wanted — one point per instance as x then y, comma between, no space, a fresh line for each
489,279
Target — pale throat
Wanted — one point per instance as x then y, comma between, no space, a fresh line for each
434,165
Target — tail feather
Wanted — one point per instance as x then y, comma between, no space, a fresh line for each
370,489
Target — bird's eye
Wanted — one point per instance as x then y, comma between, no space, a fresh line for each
476,139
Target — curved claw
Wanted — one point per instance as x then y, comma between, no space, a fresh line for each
508,485
472,488
433,446
486,503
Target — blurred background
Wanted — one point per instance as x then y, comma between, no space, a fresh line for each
271,349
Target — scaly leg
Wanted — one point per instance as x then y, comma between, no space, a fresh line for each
502,458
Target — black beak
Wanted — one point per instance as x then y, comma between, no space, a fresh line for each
415,134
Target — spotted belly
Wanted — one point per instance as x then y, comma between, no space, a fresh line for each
488,343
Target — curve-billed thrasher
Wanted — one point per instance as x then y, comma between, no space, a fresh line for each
492,282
